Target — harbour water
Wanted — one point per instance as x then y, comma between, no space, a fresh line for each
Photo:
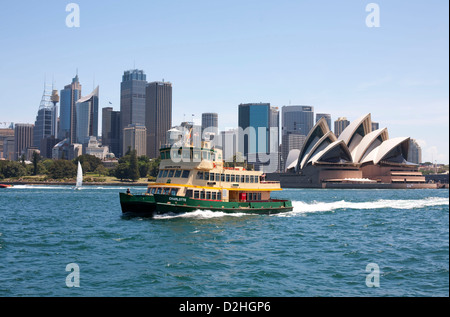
327,246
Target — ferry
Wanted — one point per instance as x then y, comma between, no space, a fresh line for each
195,178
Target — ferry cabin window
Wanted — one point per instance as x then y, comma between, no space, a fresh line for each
170,173
177,173
196,156
175,153
227,178
159,191
219,196
174,191
166,191
160,173
259,196
211,176
242,179
247,179
202,195
222,177
252,180
199,175
232,178
213,195
165,173
185,174
186,154
189,193
196,194
208,195
149,190
217,177
206,176
153,190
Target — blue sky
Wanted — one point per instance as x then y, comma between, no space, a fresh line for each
218,54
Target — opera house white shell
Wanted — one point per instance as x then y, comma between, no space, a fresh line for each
358,154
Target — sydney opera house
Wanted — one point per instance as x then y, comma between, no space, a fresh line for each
358,158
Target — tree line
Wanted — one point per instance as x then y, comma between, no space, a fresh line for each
130,167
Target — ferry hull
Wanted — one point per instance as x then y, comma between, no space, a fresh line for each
161,204
137,204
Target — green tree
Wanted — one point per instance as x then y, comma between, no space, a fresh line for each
121,171
62,169
9,169
36,159
134,168
88,162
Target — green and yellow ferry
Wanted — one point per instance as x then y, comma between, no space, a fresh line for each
195,178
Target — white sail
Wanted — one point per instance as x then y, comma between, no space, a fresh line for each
79,176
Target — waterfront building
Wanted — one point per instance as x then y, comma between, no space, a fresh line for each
23,138
68,118
135,138
111,126
358,156
132,100
158,115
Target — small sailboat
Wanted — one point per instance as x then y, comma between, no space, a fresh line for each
79,177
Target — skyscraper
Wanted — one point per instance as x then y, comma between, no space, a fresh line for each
23,138
158,115
340,124
87,117
46,120
414,152
134,138
132,99
210,122
327,117
67,119
297,121
111,129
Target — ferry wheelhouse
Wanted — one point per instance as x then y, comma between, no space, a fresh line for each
195,178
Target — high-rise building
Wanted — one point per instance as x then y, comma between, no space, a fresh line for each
135,138
210,123
23,138
87,117
327,117
111,130
158,115
340,124
67,118
375,126
229,144
6,143
258,134
297,119
414,152
45,125
132,99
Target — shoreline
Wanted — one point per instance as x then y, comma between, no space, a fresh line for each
125,184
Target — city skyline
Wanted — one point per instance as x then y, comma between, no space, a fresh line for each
284,53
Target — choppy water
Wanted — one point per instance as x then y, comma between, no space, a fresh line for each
321,248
